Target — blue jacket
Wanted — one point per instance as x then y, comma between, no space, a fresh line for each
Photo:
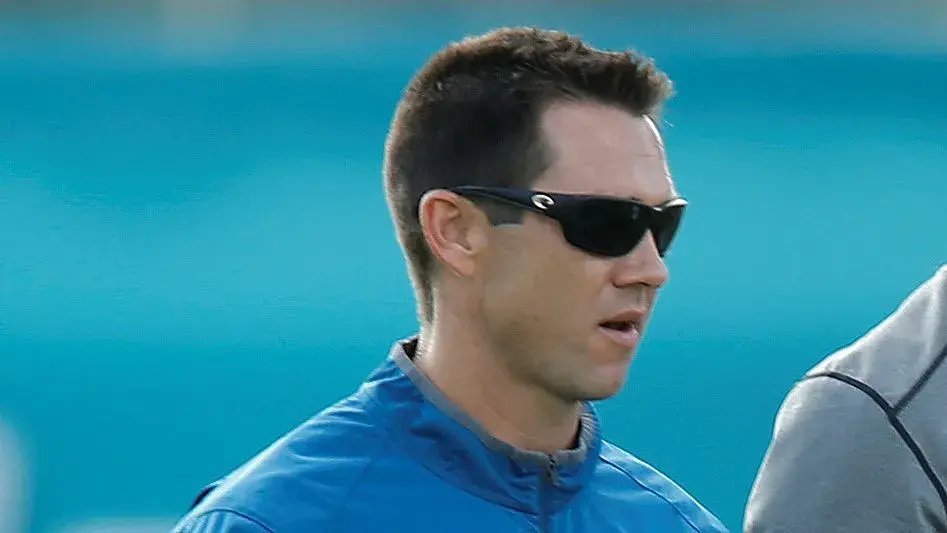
397,456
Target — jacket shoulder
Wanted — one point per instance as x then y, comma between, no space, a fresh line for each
301,481
621,473
220,522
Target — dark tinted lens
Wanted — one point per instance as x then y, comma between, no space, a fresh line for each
664,226
603,226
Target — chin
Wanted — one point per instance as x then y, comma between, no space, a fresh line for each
602,394
609,380
602,390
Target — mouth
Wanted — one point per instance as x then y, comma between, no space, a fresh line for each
624,329
623,326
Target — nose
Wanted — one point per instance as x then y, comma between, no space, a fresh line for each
643,265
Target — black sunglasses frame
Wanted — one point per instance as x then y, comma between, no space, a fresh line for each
576,214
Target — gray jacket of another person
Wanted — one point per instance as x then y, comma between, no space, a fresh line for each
860,444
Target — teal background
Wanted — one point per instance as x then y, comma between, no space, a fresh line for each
195,253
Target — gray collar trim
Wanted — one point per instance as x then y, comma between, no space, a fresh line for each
587,433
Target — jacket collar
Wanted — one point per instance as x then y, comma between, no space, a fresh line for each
447,441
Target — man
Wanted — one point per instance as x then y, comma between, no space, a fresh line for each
530,192
860,444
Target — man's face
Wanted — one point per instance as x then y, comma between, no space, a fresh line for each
544,299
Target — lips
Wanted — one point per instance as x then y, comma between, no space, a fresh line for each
623,321
623,328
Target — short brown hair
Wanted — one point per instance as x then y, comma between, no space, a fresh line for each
471,117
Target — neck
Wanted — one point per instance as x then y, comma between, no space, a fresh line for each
475,378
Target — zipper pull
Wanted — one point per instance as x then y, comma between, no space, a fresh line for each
552,471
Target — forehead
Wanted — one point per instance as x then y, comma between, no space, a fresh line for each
601,149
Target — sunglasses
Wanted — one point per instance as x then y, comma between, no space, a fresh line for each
599,225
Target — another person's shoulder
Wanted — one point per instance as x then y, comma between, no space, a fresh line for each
940,279
901,353
656,496
300,481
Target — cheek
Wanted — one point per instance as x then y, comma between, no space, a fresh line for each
546,287
514,284
575,281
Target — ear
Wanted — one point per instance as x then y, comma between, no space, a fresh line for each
455,230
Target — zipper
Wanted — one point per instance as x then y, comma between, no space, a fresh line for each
550,480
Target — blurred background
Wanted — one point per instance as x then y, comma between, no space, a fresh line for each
195,253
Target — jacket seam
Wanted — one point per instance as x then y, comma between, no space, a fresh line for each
246,516
483,495
892,416
676,508
385,441
921,381
336,515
